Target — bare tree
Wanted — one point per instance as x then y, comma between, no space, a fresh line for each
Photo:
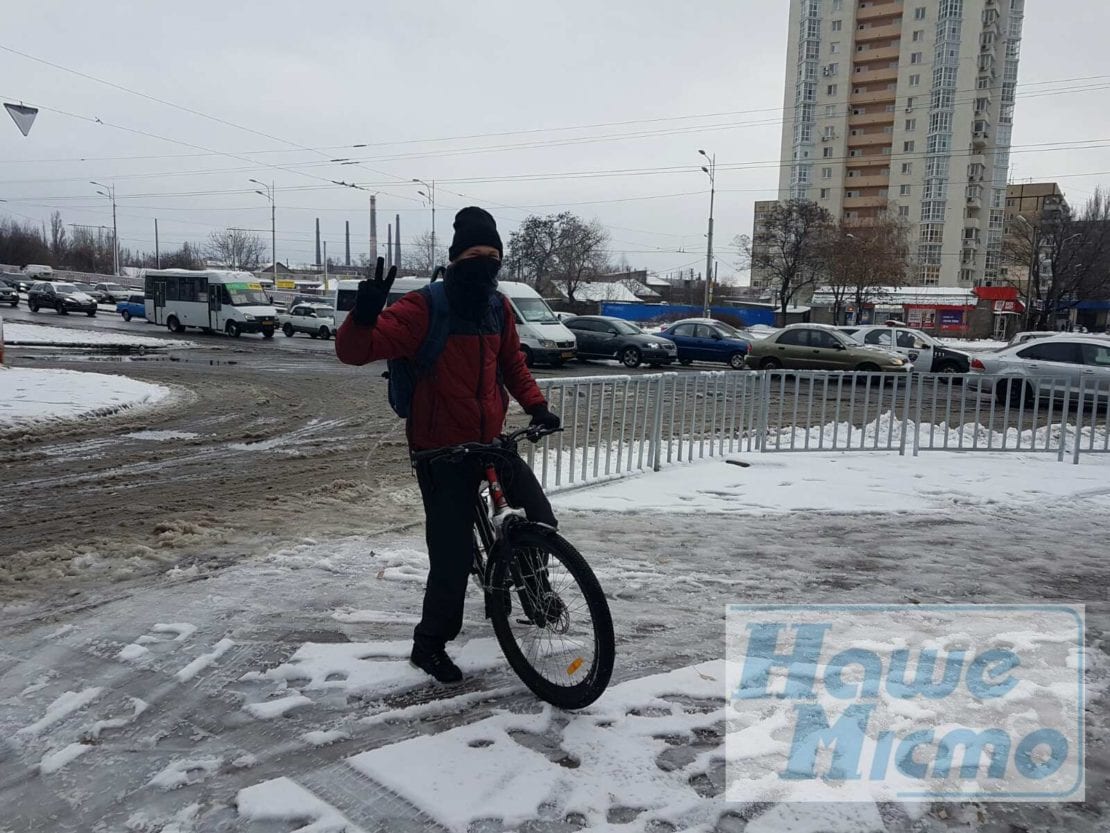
237,249
866,257
418,256
1067,255
57,237
559,249
789,248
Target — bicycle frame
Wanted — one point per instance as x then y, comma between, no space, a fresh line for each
491,511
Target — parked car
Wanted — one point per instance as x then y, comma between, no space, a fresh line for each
62,297
822,347
8,294
706,340
133,306
927,354
1047,367
317,320
604,337
111,293
87,288
17,280
37,270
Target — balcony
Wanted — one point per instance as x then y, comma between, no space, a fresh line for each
885,31
873,97
883,73
865,202
883,53
878,11
869,119
873,181
974,202
874,157
979,140
879,137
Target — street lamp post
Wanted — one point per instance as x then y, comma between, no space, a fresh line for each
110,193
711,172
430,194
269,195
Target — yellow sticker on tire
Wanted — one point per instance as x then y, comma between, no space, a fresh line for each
574,666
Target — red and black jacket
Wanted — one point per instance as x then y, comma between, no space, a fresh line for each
464,397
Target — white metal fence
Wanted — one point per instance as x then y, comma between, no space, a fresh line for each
619,425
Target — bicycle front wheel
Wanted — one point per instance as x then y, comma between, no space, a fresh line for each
551,618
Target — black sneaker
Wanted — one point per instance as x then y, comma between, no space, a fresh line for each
436,663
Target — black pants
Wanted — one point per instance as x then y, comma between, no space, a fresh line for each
450,492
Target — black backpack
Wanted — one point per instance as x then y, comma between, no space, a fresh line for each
403,373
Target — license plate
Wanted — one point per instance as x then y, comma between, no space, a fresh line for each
568,354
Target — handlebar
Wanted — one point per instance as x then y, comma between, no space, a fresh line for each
505,444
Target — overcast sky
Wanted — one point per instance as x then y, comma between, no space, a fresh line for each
625,86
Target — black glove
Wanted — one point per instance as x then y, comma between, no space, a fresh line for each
543,418
372,295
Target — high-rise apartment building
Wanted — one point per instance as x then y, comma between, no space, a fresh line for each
906,106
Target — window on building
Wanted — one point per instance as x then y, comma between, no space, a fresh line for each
827,153
904,190
903,211
916,57
837,5
830,90
834,48
908,147
855,152
836,25
824,193
830,69
919,13
830,132
911,124
918,35
915,80
826,173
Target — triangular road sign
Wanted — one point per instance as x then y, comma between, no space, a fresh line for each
22,115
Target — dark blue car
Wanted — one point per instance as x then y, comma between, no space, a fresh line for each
133,307
706,340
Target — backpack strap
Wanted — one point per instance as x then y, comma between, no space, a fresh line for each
439,327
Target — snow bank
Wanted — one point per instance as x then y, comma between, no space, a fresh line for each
845,482
31,395
43,335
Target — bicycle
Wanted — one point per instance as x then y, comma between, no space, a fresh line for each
562,647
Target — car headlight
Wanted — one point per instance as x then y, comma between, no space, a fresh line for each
653,345
248,317
546,343
898,362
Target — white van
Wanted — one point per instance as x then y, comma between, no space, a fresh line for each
543,338
211,300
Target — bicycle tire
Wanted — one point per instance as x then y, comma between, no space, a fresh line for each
527,536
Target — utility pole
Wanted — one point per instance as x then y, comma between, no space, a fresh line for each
157,251
317,241
325,265
347,259
269,195
429,193
110,193
397,241
711,172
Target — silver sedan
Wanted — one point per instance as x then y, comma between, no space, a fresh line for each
1055,367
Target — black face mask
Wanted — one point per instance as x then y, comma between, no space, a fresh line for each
470,284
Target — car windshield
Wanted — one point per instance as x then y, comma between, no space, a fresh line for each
535,311
65,288
626,329
114,287
242,297
728,330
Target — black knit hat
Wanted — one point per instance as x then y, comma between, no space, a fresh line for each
474,227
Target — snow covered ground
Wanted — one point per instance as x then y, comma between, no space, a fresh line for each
274,694
851,482
44,335
32,396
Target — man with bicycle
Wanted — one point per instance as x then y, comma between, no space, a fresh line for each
463,397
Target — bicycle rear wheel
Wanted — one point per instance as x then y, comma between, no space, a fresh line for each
559,639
